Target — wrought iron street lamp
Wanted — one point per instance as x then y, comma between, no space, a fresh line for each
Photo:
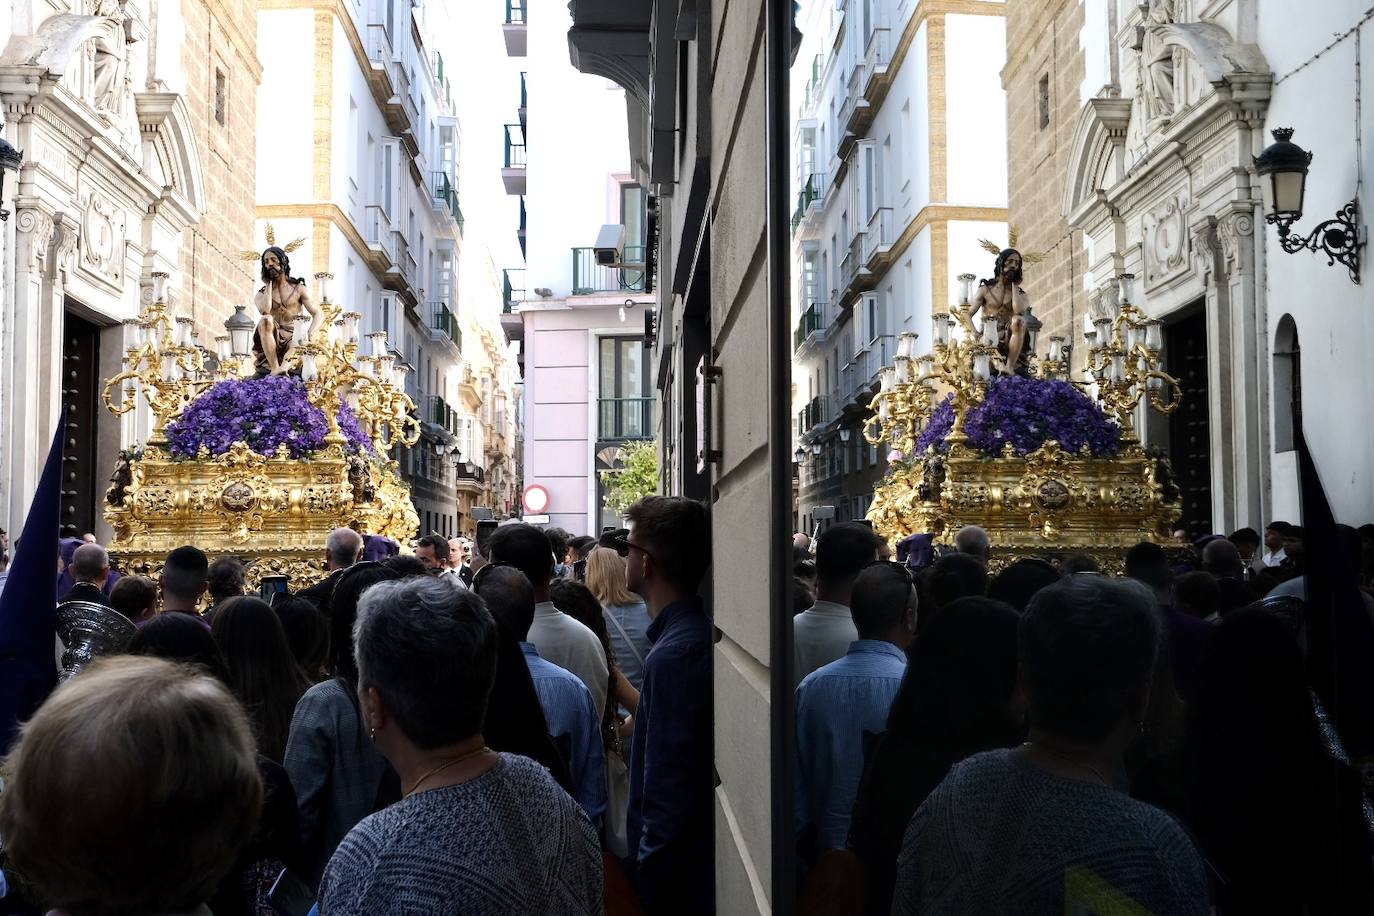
10,160
1282,169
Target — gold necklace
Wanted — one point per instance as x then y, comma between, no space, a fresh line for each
444,766
1071,761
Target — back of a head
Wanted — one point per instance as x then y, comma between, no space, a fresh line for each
428,647
880,599
1221,558
343,610
957,693
263,672
1018,583
509,597
678,532
1088,646
89,561
842,551
606,577
184,573
1247,540
225,579
1148,563
1197,593
179,637
526,548
134,596
955,576
404,565
1078,562
307,632
578,602
974,541
344,546
175,768
558,543
582,545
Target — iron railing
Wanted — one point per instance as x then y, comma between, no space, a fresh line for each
625,418
878,238
515,146
853,260
812,415
512,288
812,321
445,323
445,191
812,190
515,12
875,354
591,277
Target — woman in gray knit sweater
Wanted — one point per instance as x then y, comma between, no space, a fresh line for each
476,831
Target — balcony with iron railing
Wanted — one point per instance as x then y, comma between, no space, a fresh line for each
812,191
857,113
513,170
399,108
512,289
812,324
878,239
443,325
877,56
520,232
813,415
378,234
590,277
514,30
405,262
875,354
852,267
524,98
380,57
625,418
445,196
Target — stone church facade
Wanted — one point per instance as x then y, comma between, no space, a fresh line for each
1155,112
133,126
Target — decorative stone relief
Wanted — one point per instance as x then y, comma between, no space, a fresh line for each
38,226
1233,231
66,230
1165,241
1204,235
102,238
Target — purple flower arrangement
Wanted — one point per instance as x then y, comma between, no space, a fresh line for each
264,413
1025,413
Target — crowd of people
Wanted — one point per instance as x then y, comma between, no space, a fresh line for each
527,731
528,728
1055,739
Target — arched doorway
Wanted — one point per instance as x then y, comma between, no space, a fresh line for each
1287,385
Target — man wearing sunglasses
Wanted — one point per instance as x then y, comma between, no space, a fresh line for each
823,632
842,704
672,770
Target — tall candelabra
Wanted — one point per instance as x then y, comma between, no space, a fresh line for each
167,365
1125,362
1124,366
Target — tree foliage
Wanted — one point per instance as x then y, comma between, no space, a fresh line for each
636,478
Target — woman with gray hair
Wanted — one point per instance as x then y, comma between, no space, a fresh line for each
1042,828
477,831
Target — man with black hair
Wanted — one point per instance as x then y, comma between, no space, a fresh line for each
558,546
184,578
432,550
1042,828
1184,635
955,576
566,701
823,632
670,826
1247,541
1274,552
842,704
559,638
281,299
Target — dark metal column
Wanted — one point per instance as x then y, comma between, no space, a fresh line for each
782,713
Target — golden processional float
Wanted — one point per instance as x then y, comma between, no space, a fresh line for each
258,468
1047,463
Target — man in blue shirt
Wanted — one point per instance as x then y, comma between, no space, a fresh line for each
566,701
841,704
672,771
